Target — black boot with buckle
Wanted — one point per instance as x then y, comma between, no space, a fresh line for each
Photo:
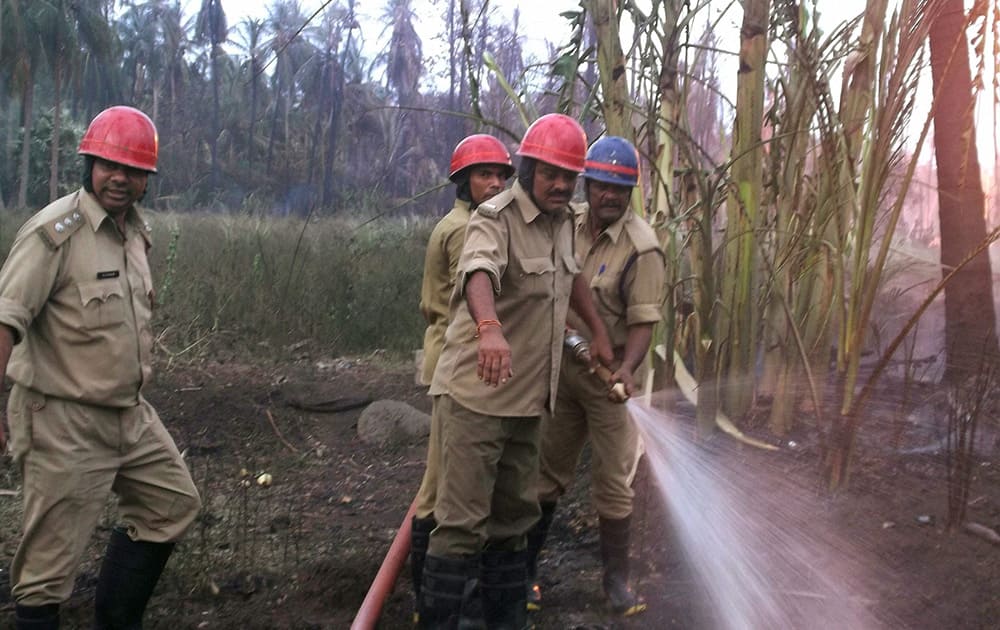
614,555
504,590
449,593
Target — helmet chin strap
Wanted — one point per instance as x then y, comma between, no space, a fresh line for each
526,176
462,189
88,170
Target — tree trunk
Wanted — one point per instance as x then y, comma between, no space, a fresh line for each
56,125
214,140
27,105
3,206
251,149
970,320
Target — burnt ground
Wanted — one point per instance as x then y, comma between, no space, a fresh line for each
302,552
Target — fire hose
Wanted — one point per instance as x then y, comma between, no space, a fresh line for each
385,579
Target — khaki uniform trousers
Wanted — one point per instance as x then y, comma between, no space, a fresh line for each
486,491
583,410
70,456
427,493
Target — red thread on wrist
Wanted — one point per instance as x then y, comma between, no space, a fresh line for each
486,322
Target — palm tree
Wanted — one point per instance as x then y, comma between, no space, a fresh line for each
285,21
23,56
403,67
211,28
339,45
970,321
146,49
250,40
65,30
404,54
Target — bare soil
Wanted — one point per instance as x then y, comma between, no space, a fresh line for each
302,552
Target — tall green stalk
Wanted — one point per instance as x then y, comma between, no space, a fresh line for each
739,318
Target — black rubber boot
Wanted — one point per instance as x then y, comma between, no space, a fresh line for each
536,540
420,536
504,587
36,617
127,579
614,555
449,593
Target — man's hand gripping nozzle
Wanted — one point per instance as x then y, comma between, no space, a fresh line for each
580,348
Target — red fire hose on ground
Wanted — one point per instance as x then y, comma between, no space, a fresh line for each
385,579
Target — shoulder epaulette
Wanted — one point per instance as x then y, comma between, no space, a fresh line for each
57,231
642,235
145,230
492,207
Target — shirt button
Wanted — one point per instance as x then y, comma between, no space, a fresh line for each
37,406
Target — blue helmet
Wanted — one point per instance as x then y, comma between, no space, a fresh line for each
612,160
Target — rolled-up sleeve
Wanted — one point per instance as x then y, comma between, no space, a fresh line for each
26,281
485,250
648,288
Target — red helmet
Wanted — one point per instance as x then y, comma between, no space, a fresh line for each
479,148
556,139
124,135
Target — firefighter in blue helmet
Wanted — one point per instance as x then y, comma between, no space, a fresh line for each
621,259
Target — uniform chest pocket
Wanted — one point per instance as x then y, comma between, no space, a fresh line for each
606,289
537,277
103,303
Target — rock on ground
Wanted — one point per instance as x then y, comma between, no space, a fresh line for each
392,423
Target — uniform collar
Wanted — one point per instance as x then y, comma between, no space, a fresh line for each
96,215
529,211
614,231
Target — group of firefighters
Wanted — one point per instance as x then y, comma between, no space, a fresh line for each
508,273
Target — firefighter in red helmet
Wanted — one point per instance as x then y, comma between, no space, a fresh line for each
480,167
76,297
621,257
496,379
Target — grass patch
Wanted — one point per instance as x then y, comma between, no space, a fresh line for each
243,284
278,282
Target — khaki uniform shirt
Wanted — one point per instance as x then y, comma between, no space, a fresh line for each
528,256
78,295
603,261
440,265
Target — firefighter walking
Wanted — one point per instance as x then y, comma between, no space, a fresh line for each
76,298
